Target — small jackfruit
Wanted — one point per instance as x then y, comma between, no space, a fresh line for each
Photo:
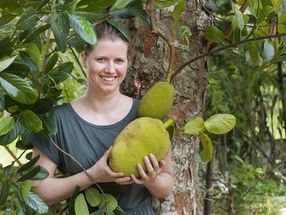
139,138
158,101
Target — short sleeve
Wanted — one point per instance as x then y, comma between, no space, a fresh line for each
47,147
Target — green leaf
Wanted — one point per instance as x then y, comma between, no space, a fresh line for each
52,62
36,203
36,33
6,46
159,4
43,105
110,200
80,205
119,4
42,174
207,151
25,188
34,54
12,134
238,17
92,196
28,19
17,88
6,18
220,123
178,10
185,33
121,29
60,27
5,62
213,34
31,121
83,28
194,126
4,192
95,6
253,52
29,174
29,62
6,124
28,165
268,50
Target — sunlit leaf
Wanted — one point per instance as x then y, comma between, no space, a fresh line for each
6,124
194,126
31,121
207,151
5,62
42,174
25,187
6,18
178,10
81,205
92,196
119,4
17,88
121,29
12,134
220,123
52,62
30,173
83,28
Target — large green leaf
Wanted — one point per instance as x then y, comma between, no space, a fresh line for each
94,6
121,29
28,19
42,174
30,63
91,16
4,192
6,18
17,88
220,123
2,102
213,34
36,33
31,121
6,124
83,28
195,126
52,62
119,4
253,52
92,196
6,46
36,203
60,27
5,62
81,205
164,3
207,151
110,200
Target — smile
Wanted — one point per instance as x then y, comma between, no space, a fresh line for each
108,78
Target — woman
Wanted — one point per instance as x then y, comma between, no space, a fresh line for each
87,127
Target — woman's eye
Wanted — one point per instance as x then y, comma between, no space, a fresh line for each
119,61
101,60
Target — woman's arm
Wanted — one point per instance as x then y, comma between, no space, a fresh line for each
53,190
159,176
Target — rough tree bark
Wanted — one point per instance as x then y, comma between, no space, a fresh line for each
148,63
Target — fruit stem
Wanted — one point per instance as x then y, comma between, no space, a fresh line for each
168,123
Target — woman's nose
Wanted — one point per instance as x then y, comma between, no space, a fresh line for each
110,67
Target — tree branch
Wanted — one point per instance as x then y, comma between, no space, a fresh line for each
215,50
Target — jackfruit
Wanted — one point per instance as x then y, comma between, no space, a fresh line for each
139,138
158,101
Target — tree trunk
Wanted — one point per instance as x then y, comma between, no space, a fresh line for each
148,64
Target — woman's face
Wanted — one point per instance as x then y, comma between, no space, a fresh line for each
107,65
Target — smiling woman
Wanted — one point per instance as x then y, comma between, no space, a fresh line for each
87,127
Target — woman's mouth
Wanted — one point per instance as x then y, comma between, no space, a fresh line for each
108,78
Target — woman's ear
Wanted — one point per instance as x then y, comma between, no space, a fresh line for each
84,59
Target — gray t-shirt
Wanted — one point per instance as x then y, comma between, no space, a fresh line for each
87,143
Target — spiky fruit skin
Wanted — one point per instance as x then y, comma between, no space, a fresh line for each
139,138
158,101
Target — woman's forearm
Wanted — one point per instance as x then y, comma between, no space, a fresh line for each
53,190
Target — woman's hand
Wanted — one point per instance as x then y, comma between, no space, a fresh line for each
101,172
154,168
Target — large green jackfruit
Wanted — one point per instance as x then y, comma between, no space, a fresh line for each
139,138
158,101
